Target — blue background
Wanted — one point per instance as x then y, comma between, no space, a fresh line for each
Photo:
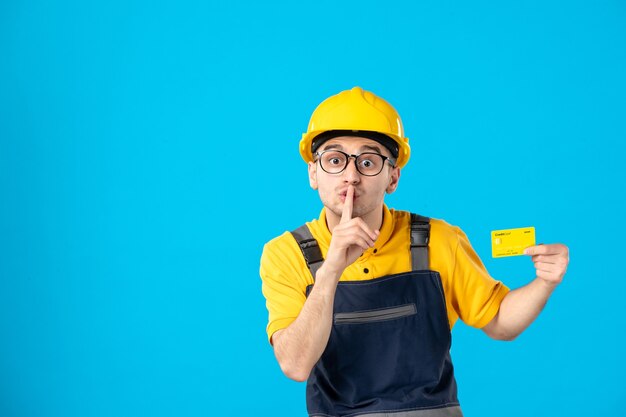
148,150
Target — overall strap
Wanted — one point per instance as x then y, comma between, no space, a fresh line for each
420,235
309,247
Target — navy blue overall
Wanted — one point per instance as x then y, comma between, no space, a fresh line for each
389,348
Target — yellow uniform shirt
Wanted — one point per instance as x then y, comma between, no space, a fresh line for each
471,293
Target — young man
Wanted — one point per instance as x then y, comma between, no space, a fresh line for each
362,300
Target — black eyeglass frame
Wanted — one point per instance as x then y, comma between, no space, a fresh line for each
391,161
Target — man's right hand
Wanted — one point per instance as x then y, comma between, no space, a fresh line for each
350,238
299,346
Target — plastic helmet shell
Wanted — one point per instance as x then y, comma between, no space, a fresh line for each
356,110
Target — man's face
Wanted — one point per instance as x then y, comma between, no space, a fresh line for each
369,191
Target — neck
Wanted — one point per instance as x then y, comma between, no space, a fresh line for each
373,219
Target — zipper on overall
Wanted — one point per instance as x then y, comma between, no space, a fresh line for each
382,314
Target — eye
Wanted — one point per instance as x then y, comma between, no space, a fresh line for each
368,162
334,159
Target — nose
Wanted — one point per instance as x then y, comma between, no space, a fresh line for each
351,174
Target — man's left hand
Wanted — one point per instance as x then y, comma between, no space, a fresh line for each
550,261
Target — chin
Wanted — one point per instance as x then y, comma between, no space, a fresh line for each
358,210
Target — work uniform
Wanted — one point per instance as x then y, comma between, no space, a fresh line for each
388,351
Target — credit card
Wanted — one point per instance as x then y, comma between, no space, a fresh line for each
511,242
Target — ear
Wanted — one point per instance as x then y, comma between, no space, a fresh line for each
393,180
313,175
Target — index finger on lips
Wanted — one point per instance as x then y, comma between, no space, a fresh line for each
346,214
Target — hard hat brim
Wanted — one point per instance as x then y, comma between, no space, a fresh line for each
404,150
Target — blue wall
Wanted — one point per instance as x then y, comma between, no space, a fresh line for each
149,149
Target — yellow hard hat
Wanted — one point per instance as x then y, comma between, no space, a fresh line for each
356,110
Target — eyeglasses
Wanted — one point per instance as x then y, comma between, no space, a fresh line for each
367,163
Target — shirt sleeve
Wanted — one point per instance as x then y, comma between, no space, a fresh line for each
284,282
477,296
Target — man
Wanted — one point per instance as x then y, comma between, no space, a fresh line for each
362,300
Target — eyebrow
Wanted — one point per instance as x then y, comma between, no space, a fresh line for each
372,148
364,147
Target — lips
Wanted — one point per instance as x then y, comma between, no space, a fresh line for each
343,194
